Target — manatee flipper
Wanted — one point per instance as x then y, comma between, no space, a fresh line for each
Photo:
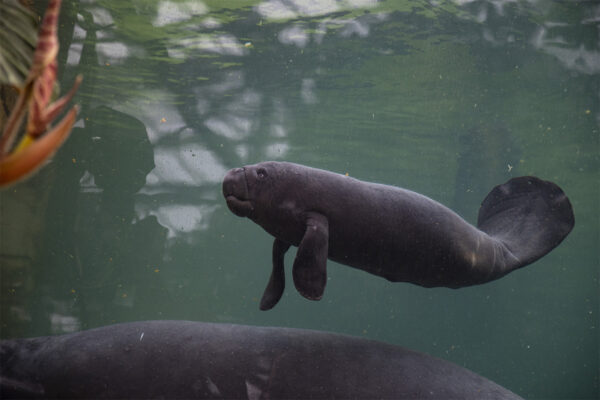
276,283
528,216
310,266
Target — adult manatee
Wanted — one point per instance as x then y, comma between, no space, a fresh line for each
194,360
392,232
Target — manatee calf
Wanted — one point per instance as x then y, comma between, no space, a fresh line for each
194,360
392,232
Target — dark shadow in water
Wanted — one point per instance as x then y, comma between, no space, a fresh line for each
103,166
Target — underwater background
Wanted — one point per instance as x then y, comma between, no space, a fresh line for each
446,98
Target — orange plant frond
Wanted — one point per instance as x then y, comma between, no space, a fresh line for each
36,94
42,92
47,45
56,107
39,82
40,113
43,72
29,158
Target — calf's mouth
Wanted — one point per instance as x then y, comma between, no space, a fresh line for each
235,191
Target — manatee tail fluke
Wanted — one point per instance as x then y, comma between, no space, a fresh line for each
529,215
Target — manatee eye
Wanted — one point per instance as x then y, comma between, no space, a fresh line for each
261,173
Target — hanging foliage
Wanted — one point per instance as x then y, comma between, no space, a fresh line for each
39,142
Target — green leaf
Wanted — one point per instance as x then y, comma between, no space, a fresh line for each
18,38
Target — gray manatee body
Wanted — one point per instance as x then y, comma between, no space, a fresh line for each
392,232
194,360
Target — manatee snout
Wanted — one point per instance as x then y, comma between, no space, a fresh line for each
234,183
235,191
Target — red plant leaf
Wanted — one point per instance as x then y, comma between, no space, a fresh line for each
47,45
43,71
42,92
36,147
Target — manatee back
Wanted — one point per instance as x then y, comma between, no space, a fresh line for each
182,359
528,215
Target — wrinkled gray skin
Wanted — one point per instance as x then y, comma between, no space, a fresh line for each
194,360
392,232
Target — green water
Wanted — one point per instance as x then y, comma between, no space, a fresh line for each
445,98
